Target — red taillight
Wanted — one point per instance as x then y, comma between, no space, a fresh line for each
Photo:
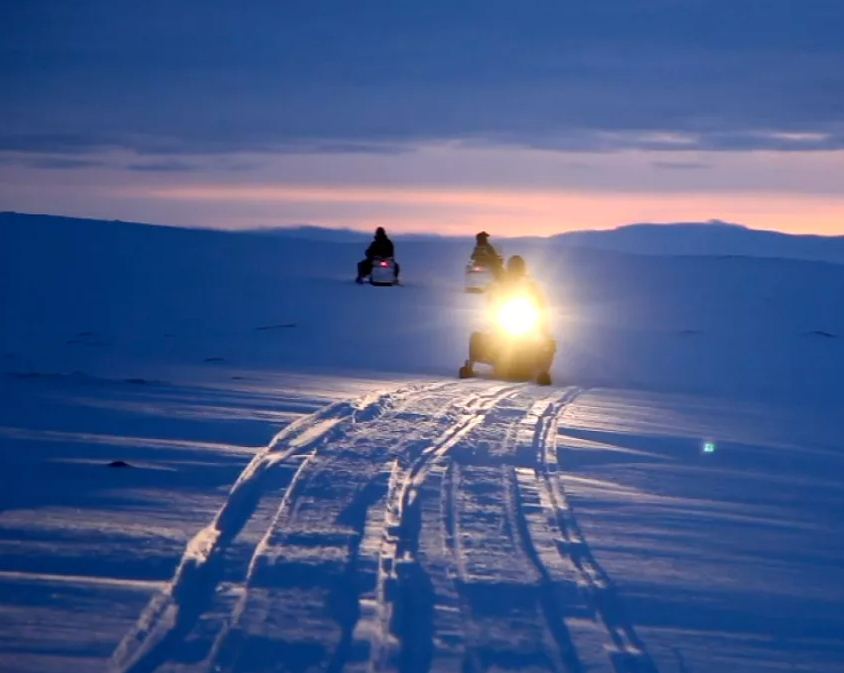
384,264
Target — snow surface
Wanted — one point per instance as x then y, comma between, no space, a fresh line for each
306,485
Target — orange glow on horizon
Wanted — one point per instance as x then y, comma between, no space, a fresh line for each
447,189
524,212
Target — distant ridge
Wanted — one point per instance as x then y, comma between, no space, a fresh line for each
312,233
340,235
712,238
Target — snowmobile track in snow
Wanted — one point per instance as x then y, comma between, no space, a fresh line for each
549,523
172,613
421,529
400,537
503,600
277,555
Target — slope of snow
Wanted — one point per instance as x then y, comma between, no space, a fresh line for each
102,292
307,486
709,238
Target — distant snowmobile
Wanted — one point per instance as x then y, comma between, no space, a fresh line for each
379,265
484,266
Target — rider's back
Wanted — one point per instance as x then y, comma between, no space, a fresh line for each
380,247
484,253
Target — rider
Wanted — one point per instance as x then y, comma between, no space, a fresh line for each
382,247
485,255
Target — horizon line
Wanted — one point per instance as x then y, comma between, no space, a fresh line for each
715,223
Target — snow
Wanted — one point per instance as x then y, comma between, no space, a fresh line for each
306,485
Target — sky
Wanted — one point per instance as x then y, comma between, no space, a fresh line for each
519,117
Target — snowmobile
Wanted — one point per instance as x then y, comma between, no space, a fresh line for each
478,277
383,272
515,346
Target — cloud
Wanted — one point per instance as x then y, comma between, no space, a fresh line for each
64,163
51,162
680,165
329,77
163,166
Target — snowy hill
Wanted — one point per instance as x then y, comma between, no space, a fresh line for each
713,238
709,238
625,320
220,454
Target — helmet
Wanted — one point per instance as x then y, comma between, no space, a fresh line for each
482,238
380,233
516,266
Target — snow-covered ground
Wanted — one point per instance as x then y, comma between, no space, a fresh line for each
308,486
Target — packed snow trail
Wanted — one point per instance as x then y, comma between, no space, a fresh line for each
419,529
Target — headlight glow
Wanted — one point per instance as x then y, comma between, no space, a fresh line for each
517,316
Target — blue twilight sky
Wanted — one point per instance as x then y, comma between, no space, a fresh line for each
355,112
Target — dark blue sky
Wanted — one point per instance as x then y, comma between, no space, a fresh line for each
215,75
539,115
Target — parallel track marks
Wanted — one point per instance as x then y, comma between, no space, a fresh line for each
626,651
399,546
172,613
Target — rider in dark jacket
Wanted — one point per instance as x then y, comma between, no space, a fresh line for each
381,247
484,254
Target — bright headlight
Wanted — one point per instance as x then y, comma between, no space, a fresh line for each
517,316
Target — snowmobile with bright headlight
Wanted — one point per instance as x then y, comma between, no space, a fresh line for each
517,343
517,346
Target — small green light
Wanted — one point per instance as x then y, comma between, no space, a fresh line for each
709,447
